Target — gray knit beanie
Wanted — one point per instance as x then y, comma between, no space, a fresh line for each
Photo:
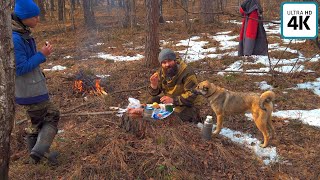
166,54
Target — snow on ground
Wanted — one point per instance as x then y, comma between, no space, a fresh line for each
267,155
56,68
314,86
119,58
311,117
264,85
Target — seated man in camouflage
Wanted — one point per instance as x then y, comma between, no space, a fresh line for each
175,80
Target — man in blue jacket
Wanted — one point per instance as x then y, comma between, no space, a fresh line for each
30,87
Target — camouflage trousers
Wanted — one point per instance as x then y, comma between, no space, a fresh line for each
41,113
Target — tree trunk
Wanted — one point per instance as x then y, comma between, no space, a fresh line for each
61,4
7,78
161,19
186,16
130,14
52,5
152,31
42,10
126,19
206,7
133,19
88,13
72,8
51,14
174,4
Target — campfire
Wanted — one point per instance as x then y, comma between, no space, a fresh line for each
86,83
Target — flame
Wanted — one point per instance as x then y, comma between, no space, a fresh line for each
96,90
78,86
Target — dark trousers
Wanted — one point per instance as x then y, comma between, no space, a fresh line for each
41,113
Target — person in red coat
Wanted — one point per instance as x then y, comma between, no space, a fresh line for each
253,38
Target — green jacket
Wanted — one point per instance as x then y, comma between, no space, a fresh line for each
179,87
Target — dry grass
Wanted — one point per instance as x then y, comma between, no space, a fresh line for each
95,147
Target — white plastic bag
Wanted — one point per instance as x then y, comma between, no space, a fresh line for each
133,103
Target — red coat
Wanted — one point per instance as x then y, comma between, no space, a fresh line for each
253,38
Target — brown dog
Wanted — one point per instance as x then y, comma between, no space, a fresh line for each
224,102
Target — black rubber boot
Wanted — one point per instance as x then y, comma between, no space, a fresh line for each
31,141
44,141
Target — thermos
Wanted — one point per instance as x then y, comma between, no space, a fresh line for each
207,128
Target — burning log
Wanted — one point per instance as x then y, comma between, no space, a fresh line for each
88,83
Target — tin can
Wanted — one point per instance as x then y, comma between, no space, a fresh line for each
169,107
147,112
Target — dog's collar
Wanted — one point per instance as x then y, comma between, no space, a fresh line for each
210,94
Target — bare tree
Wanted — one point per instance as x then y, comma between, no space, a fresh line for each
61,9
7,77
161,19
42,10
130,15
88,13
52,5
186,16
152,31
72,8
51,9
206,9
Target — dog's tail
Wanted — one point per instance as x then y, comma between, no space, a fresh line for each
266,98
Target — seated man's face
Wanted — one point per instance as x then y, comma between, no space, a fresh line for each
170,67
31,22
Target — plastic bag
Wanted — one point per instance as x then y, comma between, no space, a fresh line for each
133,103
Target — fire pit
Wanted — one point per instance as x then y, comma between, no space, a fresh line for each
86,83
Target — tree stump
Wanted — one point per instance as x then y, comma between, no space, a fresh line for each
141,126
134,124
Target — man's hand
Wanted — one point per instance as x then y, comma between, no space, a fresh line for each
166,100
47,49
154,80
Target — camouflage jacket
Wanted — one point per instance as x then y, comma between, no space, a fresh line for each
179,87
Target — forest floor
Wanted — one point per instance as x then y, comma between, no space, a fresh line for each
95,147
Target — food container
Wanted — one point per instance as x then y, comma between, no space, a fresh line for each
148,110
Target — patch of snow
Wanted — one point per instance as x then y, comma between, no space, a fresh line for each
314,86
56,68
268,155
119,58
263,85
67,57
311,117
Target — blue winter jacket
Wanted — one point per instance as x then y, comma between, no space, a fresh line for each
30,87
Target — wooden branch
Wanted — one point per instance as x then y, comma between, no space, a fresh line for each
88,113
74,114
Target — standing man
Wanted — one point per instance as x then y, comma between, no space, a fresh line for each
30,87
175,80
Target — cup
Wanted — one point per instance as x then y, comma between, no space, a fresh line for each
169,107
